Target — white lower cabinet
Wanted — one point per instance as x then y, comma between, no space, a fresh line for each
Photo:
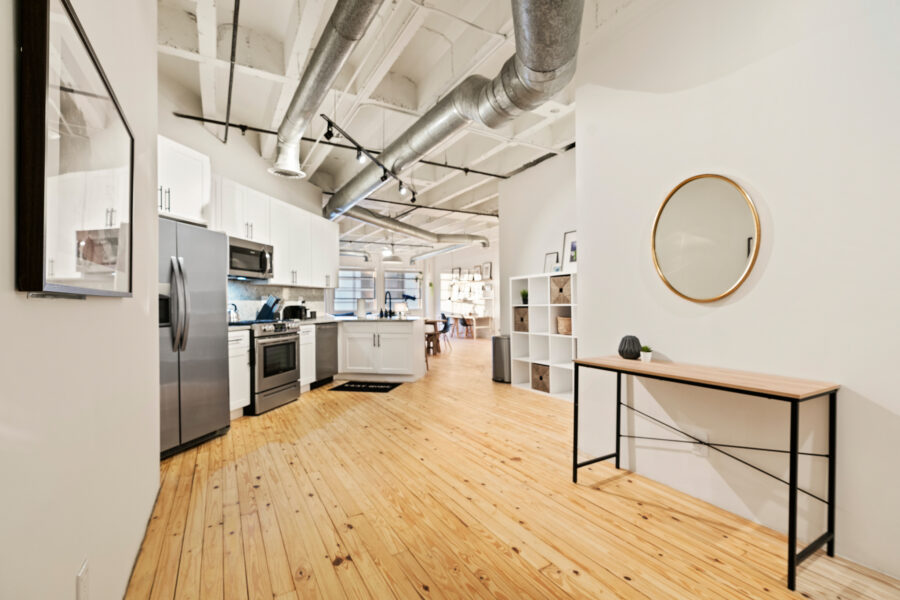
381,348
394,344
307,354
358,349
238,369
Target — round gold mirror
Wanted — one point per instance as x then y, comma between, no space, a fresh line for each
705,238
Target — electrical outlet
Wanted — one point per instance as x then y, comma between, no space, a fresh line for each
82,589
700,449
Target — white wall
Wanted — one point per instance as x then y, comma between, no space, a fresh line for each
239,159
797,101
537,207
79,432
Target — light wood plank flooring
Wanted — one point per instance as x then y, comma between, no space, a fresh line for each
451,487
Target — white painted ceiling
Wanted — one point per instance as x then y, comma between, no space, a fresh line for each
414,52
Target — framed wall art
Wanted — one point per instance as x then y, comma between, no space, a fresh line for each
74,192
551,262
570,252
487,271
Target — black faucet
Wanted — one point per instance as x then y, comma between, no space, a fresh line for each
390,303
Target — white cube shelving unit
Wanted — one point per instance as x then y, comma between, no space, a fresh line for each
542,344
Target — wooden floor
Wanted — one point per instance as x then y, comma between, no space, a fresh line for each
451,487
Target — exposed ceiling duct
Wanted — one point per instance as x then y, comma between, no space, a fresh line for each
367,216
347,25
439,251
547,36
356,253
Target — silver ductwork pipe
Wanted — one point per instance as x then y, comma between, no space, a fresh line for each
356,253
347,25
547,37
367,216
414,259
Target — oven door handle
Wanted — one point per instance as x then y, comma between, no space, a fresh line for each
186,318
176,302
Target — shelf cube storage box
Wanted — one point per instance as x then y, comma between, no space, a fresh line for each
561,289
540,377
520,320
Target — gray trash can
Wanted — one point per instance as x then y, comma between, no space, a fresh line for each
501,359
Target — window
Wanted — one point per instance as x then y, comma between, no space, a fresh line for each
404,287
465,297
446,293
354,284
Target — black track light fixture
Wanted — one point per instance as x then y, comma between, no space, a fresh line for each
403,189
360,157
384,175
329,133
413,199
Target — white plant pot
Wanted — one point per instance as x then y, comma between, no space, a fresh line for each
646,356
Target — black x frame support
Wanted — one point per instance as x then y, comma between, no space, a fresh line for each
794,557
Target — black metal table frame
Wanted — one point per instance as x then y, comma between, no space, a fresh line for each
794,557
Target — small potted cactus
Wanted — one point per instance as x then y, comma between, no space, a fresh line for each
646,353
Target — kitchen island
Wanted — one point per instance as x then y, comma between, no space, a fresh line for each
381,349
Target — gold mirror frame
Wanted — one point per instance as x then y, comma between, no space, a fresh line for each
750,265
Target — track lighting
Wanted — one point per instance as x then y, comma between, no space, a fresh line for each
360,157
413,199
384,174
329,133
403,189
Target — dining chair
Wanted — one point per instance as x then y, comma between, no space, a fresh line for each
445,331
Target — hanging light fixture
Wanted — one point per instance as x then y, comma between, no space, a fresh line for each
329,133
402,189
391,258
360,157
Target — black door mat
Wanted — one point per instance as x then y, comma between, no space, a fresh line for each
365,386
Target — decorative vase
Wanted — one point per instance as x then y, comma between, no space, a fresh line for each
646,356
630,347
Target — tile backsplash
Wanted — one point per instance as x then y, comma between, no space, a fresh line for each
249,297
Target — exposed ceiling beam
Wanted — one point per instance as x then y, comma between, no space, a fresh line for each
206,47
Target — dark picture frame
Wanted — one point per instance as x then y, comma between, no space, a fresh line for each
549,268
570,252
92,139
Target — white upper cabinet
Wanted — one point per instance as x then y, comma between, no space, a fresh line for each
241,212
256,213
305,246
324,247
290,242
184,181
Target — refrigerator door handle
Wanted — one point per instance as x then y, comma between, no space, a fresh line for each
175,299
186,319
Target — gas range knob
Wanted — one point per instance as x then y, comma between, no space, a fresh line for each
268,328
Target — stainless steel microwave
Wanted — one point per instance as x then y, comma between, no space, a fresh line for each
249,259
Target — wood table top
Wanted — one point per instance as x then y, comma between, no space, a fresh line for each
776,385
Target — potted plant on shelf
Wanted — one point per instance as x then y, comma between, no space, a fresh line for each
524,294
646,353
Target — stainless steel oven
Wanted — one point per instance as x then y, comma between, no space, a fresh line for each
249,259
276,365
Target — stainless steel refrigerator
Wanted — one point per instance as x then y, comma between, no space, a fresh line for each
193,335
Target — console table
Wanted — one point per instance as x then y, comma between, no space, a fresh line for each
785,389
